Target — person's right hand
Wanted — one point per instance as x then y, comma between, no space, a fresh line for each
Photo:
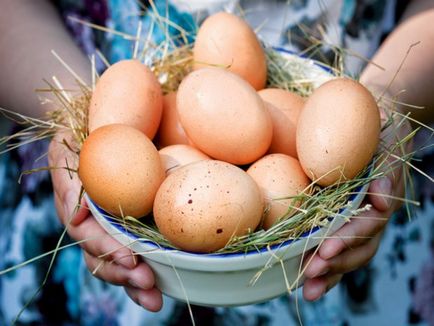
105,257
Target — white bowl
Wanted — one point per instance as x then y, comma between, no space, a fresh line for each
227,279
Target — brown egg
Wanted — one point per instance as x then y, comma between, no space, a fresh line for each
201,206
127,93
285,108
175,156
338,131
171,131
121,170
279,176
224,116
226,40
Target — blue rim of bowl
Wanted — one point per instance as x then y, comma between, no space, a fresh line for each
114,223
123,230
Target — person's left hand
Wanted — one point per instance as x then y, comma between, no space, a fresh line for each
105,258
354,245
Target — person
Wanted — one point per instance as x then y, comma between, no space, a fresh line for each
31,29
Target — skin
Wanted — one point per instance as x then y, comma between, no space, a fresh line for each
323,270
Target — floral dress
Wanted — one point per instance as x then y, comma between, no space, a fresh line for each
396,288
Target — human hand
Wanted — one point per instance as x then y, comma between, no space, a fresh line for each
104,256
354,245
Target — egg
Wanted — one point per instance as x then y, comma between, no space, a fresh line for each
226,40
127,93
279,176
171,131
224,116
284,107
338,131
120,170
201,206
176,156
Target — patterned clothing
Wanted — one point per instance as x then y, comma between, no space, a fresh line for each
397,287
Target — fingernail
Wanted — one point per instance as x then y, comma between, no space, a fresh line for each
136,285
148,302
315,293
323,272
385,185
133,284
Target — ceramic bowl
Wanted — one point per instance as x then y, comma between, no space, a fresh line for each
230,279
225,279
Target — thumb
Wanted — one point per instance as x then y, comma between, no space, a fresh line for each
66,184
386,191
380,192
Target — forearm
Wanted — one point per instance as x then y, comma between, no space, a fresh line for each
416,77
29,31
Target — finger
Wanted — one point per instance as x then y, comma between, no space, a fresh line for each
379,192
66,183
358,231
315,288
79,214
384,193
391,164
351,260
343,263
151,300
82,213
140,277
101,244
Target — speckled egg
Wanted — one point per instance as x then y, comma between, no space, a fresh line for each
201,206
338,131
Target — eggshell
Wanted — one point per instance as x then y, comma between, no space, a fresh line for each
279,176
171,131
127,93
338,131
284,107
176,156
121,170
228,41
201,206
224,116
